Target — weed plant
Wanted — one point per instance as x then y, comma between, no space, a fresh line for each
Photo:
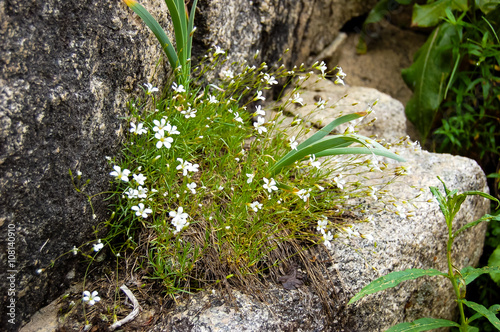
450,204
212,192
209,191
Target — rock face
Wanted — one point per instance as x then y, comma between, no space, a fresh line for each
402,243
271,26
67,70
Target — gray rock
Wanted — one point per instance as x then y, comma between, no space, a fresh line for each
68,70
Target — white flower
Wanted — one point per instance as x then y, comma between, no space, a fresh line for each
186,166
304,194
322,67
228,73
259,96
179,88
372,194
74,250
193,167
270,185
139,129
259,125
119,174
320,104
212,100
327,237
171,130
218,51
91,298
142,192
179,219
97,246
250,177
340,73
139,178
339,182
269,79
259,111
293,143
322,225
162,140
151,88
338,80
189,113
191,187
132,193
369,237
159,126
183,166
141,210
296,99
256,206
237,117
313,163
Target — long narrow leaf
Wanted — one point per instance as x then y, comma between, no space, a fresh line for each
422,324
483,311
486,218
190,34
359,150
393,279
156,29
179,27
329,127
469,274
322,144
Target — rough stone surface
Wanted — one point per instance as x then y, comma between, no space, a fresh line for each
271,26
402,243
391,120
67,70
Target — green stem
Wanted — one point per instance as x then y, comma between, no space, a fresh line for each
453,280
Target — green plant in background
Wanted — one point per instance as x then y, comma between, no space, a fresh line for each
449,204
179,59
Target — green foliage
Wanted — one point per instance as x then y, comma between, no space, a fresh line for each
450,204
392,280
422,324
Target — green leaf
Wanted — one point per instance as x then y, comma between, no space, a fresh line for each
484,312
156,29
487,6
494,309
422,324
431,14
329,127
393,279
381,9
359,150
494,262
486,217
176,9
427,76
469,273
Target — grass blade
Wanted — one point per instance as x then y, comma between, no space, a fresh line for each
329,127
179,27
393,279
422,324
157,30
359,150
